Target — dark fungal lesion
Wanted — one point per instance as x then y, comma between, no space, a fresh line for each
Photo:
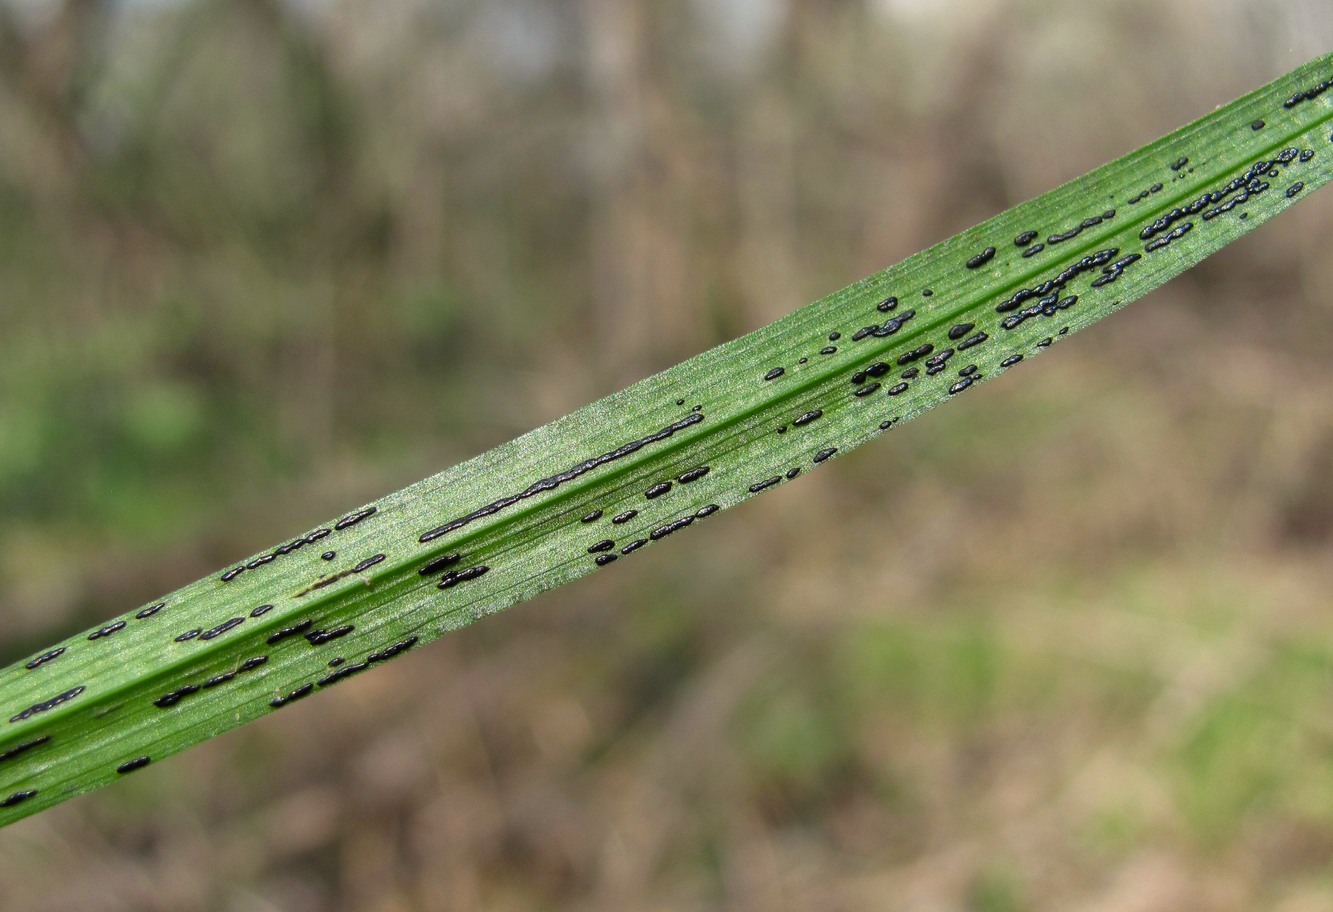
351,519
981,259
18,798
130,766
23,748
108,630
48,705
294,630
320,637
444,562
552,482
172,697
455,577
148,612
45,657
304,690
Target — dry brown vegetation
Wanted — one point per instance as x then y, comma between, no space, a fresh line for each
1064,645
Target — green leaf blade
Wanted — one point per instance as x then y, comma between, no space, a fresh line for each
350,595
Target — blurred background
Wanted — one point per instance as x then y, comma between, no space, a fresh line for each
261,261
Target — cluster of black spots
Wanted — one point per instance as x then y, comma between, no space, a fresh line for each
1082,226
1295,189
552,482
1011,360
1155,188
590,517
602,560
454,577
352,519
706,511
634,546
621,518
938,362
1033,251
1180,163
1309,94
878,369
446,561
389,652
663,531
958,330
261,610
1258,125
329,555
890,303
897,389
960,386
891,326
47,705
1112,271
792,472
1176,233
335,662
802,360
926,292
368,563
975,339
657,490
829,350
775,373
1092,261
171,698
866,390
18,798
782,429
915,354
693,474
45,657
605,544
148,612
222,628
1044,307
189,635
346,671
1045,343
1238,191
808,417
981,259
834,336
320,637
23,748
1027,237
968,371
825,454
288,548
1305,156
768,482
910,373
107,631
303,691
130,766
295,630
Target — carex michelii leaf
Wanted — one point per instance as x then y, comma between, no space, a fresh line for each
587,491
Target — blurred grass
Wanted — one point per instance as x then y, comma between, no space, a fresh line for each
1062,645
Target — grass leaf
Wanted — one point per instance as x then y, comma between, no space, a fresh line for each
589,490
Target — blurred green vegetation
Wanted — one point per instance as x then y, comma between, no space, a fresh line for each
1062,645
